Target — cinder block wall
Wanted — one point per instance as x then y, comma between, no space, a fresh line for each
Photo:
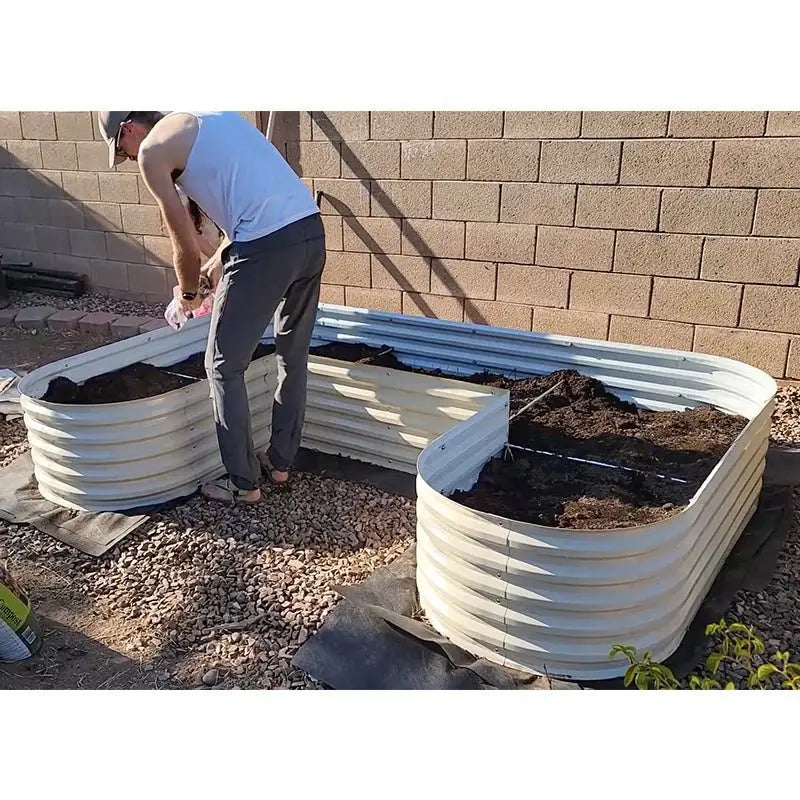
679,229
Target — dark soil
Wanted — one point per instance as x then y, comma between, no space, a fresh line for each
582,419
567,494
133,382
374,356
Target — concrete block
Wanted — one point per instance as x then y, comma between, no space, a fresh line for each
666,163
502,160
538,203
624,124
542,124
97,322
610,293
751,260
459,278
535,286
722,211
701,302
153,325
38,125
716,124
576,248
668,254
410,273
376,299
401,125
438,159
580,162
501,241
777,213
34,317
347,269
435,306
65,320
125,327
625,207
433,237
74,126
371,160
59,155
498,314
651,332
767,351
467,124
466,200
568,322
761,163
409,199
371,235
770,308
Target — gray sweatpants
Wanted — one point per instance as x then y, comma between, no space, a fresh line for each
276,276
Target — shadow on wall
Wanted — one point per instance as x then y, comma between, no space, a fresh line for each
121,247
48,219
287,129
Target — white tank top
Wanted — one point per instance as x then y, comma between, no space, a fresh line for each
240,180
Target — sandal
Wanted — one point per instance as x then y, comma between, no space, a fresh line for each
224,491
268,470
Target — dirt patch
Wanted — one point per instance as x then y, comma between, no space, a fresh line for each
133,382
580,418
24,350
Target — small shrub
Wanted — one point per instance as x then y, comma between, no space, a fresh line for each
736,644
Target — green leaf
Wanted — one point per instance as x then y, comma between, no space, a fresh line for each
629,676
641,681
764,671
729,686
713,661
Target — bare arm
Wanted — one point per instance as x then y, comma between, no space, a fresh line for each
186,256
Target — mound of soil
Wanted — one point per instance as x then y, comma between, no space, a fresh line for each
133,382
566,494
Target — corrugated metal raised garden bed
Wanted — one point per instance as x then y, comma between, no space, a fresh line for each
554,585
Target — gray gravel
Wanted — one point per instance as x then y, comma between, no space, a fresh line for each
90,302
786,419
225,596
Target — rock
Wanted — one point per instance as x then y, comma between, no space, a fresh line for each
210,677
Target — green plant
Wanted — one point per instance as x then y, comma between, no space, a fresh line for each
735,643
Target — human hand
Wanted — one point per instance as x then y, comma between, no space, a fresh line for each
187,306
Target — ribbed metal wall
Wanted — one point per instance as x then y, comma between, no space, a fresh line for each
384,416
118,456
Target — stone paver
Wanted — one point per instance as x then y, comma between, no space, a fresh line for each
153,325
7,316
125,327
34,317
65,320
97,322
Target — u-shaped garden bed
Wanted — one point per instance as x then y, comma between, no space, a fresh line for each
548,585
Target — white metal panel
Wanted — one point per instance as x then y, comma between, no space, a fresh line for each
118,456
384,416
